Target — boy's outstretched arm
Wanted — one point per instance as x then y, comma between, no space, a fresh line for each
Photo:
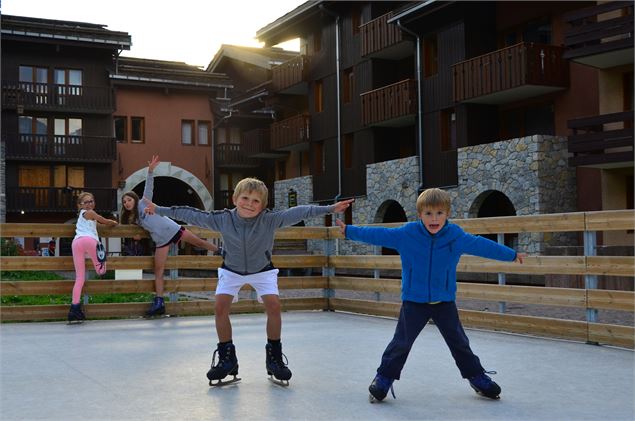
341,206
520,257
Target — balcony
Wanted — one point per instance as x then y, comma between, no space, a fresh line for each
600,36
290,77
57,199
52,97
381,39
511,74
35,147
602,141
390,106
233,155
257,144
291,134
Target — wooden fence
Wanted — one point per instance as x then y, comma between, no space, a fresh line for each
590,266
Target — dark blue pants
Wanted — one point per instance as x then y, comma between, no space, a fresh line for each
412,319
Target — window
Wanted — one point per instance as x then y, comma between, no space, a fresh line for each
430,56
538,31
67,131
186,132
137,132
319,100
347,141
348,88
448,130
33,134
203,132
121,128
527,121
34,81
317,40
68,82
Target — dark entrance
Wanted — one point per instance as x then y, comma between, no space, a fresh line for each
394,213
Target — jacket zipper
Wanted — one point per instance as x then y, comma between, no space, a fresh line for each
430,272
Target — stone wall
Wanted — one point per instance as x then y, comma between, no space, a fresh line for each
3,187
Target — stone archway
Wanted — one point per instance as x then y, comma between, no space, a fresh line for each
492,203
388,212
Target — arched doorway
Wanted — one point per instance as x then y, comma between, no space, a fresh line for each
392,212
494,203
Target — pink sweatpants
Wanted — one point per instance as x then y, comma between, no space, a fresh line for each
83,246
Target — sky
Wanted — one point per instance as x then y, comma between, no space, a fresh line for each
190,31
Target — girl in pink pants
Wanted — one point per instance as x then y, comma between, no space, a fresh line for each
85,243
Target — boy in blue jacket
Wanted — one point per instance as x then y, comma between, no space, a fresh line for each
430,250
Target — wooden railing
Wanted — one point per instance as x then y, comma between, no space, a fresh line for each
602,139
378,34
291,133
389,102
512,67
57,199
289,73
593,32
232,155
590,266
45,147
50,96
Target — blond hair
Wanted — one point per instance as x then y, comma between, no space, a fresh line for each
82,196
433,198
248,185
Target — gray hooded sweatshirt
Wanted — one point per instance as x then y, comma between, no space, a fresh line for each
248,242
161,229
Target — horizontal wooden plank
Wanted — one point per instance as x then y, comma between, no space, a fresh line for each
565,297
352,283
365,307
555,222
9,288
610,220
533,265
611,300
365,262
611,265
616,335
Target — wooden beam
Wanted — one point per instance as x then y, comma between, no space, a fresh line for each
611,300
615,220
612,335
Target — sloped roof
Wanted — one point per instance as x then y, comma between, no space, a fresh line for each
261,57
132,70
51,30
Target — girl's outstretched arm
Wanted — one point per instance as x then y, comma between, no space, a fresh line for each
94,216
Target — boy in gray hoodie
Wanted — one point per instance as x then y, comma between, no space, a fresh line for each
248,233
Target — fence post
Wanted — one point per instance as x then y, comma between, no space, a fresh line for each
174,273
590,281
329,250
377,252
502,305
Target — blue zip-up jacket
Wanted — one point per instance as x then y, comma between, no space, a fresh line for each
161,229
428,262
248,242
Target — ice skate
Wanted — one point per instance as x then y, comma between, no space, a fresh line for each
157,308
75,314
485,386
379,388
276,363
227,366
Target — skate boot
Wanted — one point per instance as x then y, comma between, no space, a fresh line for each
227,365
157,308
379,388
75,314
485,386
277,368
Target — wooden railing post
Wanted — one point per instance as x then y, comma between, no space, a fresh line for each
502,305
174,273
590,281
328,270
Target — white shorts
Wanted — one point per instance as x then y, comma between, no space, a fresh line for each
263,282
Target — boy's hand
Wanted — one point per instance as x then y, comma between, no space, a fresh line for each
150,207
343,205
520,257
153,163
342,226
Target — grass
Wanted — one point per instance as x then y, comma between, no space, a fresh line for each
24,300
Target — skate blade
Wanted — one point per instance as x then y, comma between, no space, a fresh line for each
222,382
373,399
75,322
478,392
283,383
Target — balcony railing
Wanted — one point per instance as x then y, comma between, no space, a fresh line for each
42,147
257,144
393,105
52,97
381,39
291,134
601,35
57,199
603,139
290,74
232,155
513,73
